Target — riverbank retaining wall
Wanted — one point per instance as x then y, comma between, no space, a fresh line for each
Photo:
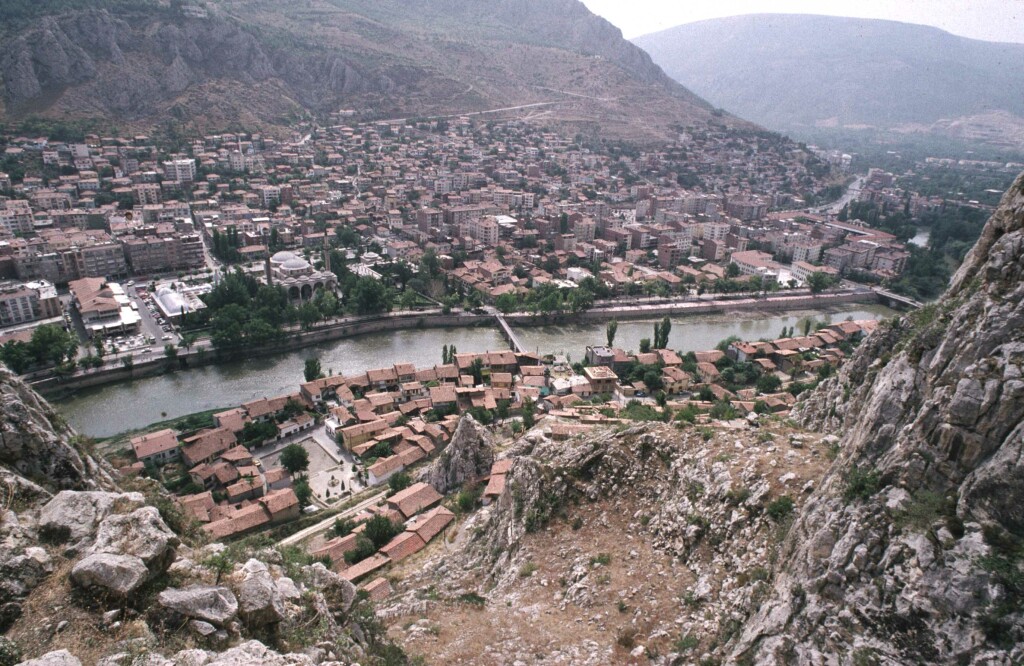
193,358
332,331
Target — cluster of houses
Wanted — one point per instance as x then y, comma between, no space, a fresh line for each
238,495
417,507
392,418
407,413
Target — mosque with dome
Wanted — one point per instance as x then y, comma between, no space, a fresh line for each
298,277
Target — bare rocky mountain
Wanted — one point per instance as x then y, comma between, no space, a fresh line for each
822,75
234,62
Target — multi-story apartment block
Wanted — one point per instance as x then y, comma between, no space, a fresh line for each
23,302
155,254
484,230
64,256
180,170
16,218
146,193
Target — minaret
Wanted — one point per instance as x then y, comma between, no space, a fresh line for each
270,275
327,260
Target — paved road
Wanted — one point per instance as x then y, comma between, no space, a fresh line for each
476,113
329,522
852,192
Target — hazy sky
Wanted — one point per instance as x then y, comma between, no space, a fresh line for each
993,20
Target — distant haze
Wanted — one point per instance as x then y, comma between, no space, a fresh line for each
990,20
789,72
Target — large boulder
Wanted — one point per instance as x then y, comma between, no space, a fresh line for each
214,604
141,533
74,515
249,653
340,592
119,575
22,570
259,601
57,658
467,457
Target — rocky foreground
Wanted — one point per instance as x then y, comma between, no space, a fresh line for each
92,573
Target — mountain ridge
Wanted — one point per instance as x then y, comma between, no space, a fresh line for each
800,72
255,62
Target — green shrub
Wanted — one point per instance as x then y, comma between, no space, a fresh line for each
737,496
364,549
925,509
686,643
344,526
473,599
380,530
527,569
603,559
780,508
861,484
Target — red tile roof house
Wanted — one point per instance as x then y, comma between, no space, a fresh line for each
382,379
277,478
442,396
383,469
247,488
357,434
429,524
337,547
366,567
239,522
496,484
198,505
301,422
707,371
414,499
238,455
157,447
378,589
403,545
233,419
205,445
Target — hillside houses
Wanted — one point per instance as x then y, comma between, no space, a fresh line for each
414,507
277,507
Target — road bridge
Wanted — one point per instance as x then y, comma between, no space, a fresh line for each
510,336
892,299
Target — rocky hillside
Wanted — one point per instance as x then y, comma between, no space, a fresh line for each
912,550
93,574
228,62
815,75
646,544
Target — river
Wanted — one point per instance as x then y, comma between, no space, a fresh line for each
115,408
694,333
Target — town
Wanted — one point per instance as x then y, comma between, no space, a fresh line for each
121,242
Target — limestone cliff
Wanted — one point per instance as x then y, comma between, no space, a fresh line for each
912,549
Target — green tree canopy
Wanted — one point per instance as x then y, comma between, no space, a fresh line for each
295,459
312,369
